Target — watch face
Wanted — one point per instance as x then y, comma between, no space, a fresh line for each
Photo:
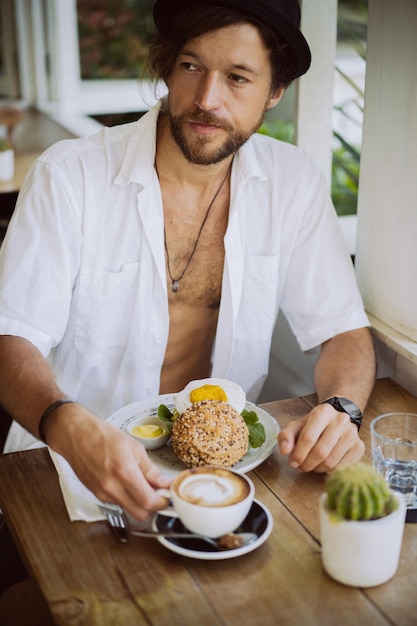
350,408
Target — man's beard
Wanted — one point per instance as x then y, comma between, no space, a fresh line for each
197,150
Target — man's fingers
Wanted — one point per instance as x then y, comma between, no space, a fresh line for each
288,436
340,458
321,441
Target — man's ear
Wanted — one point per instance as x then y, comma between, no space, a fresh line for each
275,97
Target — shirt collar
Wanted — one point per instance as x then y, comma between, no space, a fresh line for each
139,158
246,163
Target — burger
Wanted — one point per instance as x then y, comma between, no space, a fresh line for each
209,428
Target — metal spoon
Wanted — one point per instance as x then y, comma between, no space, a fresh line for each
226,542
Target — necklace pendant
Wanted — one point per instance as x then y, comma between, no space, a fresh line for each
175,285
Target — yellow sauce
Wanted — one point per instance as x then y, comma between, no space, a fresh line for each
208,392
148,431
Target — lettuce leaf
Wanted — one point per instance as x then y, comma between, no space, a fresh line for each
164,413
256,429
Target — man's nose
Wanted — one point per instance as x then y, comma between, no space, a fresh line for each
209,94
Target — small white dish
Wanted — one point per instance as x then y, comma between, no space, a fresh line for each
153,426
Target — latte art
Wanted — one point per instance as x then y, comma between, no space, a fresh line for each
213,489
211,500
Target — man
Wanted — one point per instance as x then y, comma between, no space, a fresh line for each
160,252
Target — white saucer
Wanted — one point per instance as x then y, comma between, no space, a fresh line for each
259,521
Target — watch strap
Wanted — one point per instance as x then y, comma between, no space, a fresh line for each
344,405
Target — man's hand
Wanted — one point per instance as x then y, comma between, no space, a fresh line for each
321,441
112,464
325,438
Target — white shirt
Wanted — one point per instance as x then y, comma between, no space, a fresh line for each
82,268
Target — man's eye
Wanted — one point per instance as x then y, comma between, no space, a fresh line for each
189,66
238,79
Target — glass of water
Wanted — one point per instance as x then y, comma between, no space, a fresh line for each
394,454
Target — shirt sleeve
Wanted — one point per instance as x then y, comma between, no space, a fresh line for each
320,297
39,258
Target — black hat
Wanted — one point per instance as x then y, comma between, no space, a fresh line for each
282,16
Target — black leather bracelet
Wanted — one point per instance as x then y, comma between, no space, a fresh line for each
45,415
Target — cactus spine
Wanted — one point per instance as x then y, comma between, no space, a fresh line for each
358,492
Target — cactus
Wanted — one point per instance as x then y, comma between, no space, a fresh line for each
358,492
4,144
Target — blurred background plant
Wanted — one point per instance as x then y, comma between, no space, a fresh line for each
113,37
348,105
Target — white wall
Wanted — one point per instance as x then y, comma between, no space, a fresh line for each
314,110
386,258
387,213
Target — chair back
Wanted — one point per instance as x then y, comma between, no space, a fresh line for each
5,423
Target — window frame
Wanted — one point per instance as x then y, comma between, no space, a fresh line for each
8,75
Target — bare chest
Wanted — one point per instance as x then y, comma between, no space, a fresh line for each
194,251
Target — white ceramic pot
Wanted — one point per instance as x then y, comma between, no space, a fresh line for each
361,553
6,165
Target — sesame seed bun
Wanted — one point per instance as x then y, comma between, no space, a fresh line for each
210,433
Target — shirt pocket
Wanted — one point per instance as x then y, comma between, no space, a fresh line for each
105,308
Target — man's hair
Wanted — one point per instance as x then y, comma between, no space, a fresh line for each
197,21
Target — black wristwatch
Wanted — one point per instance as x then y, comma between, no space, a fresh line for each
347,406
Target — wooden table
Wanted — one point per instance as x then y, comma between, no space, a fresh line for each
87,577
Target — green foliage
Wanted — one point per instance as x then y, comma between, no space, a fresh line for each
359,492
345,165
113,37
256,429
284,131
352,27
352,23
4,144
345,177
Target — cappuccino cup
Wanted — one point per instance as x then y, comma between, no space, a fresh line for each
209,500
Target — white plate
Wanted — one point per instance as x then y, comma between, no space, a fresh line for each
258,520
165,458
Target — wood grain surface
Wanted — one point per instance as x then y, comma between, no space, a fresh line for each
89,578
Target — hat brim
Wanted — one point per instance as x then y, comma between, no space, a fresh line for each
165,12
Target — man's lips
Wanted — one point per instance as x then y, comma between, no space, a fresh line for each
205,128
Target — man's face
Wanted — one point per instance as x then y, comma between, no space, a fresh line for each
219,90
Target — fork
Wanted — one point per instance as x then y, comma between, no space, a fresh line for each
115,517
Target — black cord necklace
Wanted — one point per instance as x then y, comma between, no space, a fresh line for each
175,282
